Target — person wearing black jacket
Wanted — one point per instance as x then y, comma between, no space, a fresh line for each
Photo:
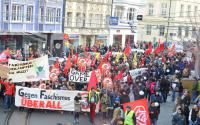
186,99
164,88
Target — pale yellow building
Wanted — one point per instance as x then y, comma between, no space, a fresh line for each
86,21
181,25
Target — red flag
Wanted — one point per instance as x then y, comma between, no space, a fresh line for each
57,64
142,61
149,50
157,50
119,76
162,47
5,55
127,51
76,58
93,81
94,61
68,65
140,108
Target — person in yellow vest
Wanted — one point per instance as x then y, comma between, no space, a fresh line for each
93,98
129,117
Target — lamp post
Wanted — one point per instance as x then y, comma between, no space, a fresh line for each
170,5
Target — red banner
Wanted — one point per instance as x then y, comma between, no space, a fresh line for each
140,108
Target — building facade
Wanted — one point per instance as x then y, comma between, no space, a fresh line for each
123,22
86,21
177,22
27,23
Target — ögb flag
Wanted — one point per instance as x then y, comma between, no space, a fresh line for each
140,108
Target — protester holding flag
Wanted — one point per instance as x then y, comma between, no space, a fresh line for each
93,99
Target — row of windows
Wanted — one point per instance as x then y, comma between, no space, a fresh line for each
180,29
17,14
119,11
94,20
185,10
163,9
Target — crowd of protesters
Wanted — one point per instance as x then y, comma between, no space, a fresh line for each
164,75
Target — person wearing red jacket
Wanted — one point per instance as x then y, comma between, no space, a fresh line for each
9,93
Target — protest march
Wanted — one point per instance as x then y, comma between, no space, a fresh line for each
125,86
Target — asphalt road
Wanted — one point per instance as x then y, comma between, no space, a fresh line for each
39,117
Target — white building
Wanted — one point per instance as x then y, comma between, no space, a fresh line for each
124,14
86,21
181,26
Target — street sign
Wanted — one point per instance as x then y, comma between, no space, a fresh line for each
139,17
113,21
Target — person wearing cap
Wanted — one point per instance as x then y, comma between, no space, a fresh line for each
129,116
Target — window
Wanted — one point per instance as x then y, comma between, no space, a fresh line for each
6,12
41,13
17,12
189,10
90,20
182,10
58,13
195,10
186,31
164,9
162,30
98,20
151,9
194,32
118,12
179,31
148,30
69,19
131,14
78,20
50,14
29,13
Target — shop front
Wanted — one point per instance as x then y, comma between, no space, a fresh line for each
101,40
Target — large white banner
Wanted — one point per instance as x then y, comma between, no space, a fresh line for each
76,76
49,99
33,70
136,72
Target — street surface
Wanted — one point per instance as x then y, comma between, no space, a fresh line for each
39,117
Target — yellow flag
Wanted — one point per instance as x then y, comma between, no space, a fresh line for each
117,57
97,56
135,59
125,58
